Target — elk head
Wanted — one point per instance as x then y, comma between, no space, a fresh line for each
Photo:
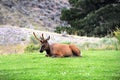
43,41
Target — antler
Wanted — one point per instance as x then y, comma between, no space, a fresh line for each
42,37
36,36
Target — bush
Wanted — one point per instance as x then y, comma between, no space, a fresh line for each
66,42
32,47
117,34
33,40
69,30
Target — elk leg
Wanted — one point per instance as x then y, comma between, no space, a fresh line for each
47,55
57,56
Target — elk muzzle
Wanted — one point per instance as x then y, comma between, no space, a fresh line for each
42,48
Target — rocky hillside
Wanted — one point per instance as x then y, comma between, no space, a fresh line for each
32,13
14,35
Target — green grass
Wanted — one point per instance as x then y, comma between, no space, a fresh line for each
94,65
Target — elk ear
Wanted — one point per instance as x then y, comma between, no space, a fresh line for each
48,38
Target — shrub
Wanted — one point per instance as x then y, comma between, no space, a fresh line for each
32,47
66,42
117,34
33,40
69,30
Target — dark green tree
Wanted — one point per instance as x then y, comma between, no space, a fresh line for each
92,17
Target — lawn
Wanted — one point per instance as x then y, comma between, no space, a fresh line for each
94,65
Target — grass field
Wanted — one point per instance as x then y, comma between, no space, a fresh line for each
94,65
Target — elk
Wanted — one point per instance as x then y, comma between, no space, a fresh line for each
57,49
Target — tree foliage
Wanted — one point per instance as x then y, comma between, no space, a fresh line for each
93,17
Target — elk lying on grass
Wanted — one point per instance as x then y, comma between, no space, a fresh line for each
56,49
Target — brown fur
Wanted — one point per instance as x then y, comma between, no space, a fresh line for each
58,50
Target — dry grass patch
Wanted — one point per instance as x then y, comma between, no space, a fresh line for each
12,49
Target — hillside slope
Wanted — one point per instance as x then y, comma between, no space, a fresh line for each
14,39
32,13
16,35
